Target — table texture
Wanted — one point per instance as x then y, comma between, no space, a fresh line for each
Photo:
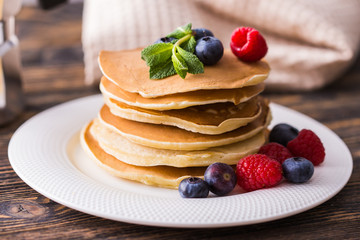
53,73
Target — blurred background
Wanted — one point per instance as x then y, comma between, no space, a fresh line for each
311,43
50,43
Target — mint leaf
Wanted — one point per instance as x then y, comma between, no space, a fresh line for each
181,31
193,63
176,57
189,45
157,53
179,64
162,70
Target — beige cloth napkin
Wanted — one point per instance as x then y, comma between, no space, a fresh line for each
311,43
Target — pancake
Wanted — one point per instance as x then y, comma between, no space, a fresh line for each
173,138
207,119
162,176
128,70
180,100
135,154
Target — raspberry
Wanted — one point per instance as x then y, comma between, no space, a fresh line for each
248,44
275,151
258,171
307,145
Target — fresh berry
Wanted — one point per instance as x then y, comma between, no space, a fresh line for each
193,187
248,44
209,50
297,169
221,178
308,145
165,40
201,32
283,133
258,171
275,151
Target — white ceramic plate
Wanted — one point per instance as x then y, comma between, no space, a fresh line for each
45,152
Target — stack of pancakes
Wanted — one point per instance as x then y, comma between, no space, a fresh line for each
160,131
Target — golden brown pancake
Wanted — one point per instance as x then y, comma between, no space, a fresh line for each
129,71
169,137
162,176
135,154
214,118
180,100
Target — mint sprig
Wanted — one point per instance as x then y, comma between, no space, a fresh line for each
166,59
181,31
157,53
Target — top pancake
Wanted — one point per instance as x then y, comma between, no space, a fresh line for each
128,70
180,100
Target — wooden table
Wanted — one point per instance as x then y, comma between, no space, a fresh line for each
53,74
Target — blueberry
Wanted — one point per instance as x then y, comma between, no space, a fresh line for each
209,50
193,187
283,133
297,169
165,40
221,178
201,32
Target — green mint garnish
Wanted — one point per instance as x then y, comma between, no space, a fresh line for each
181,31
194,64
166,69
180,65
157,53
166,59
189,45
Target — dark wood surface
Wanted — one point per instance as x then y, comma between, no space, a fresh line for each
53,73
